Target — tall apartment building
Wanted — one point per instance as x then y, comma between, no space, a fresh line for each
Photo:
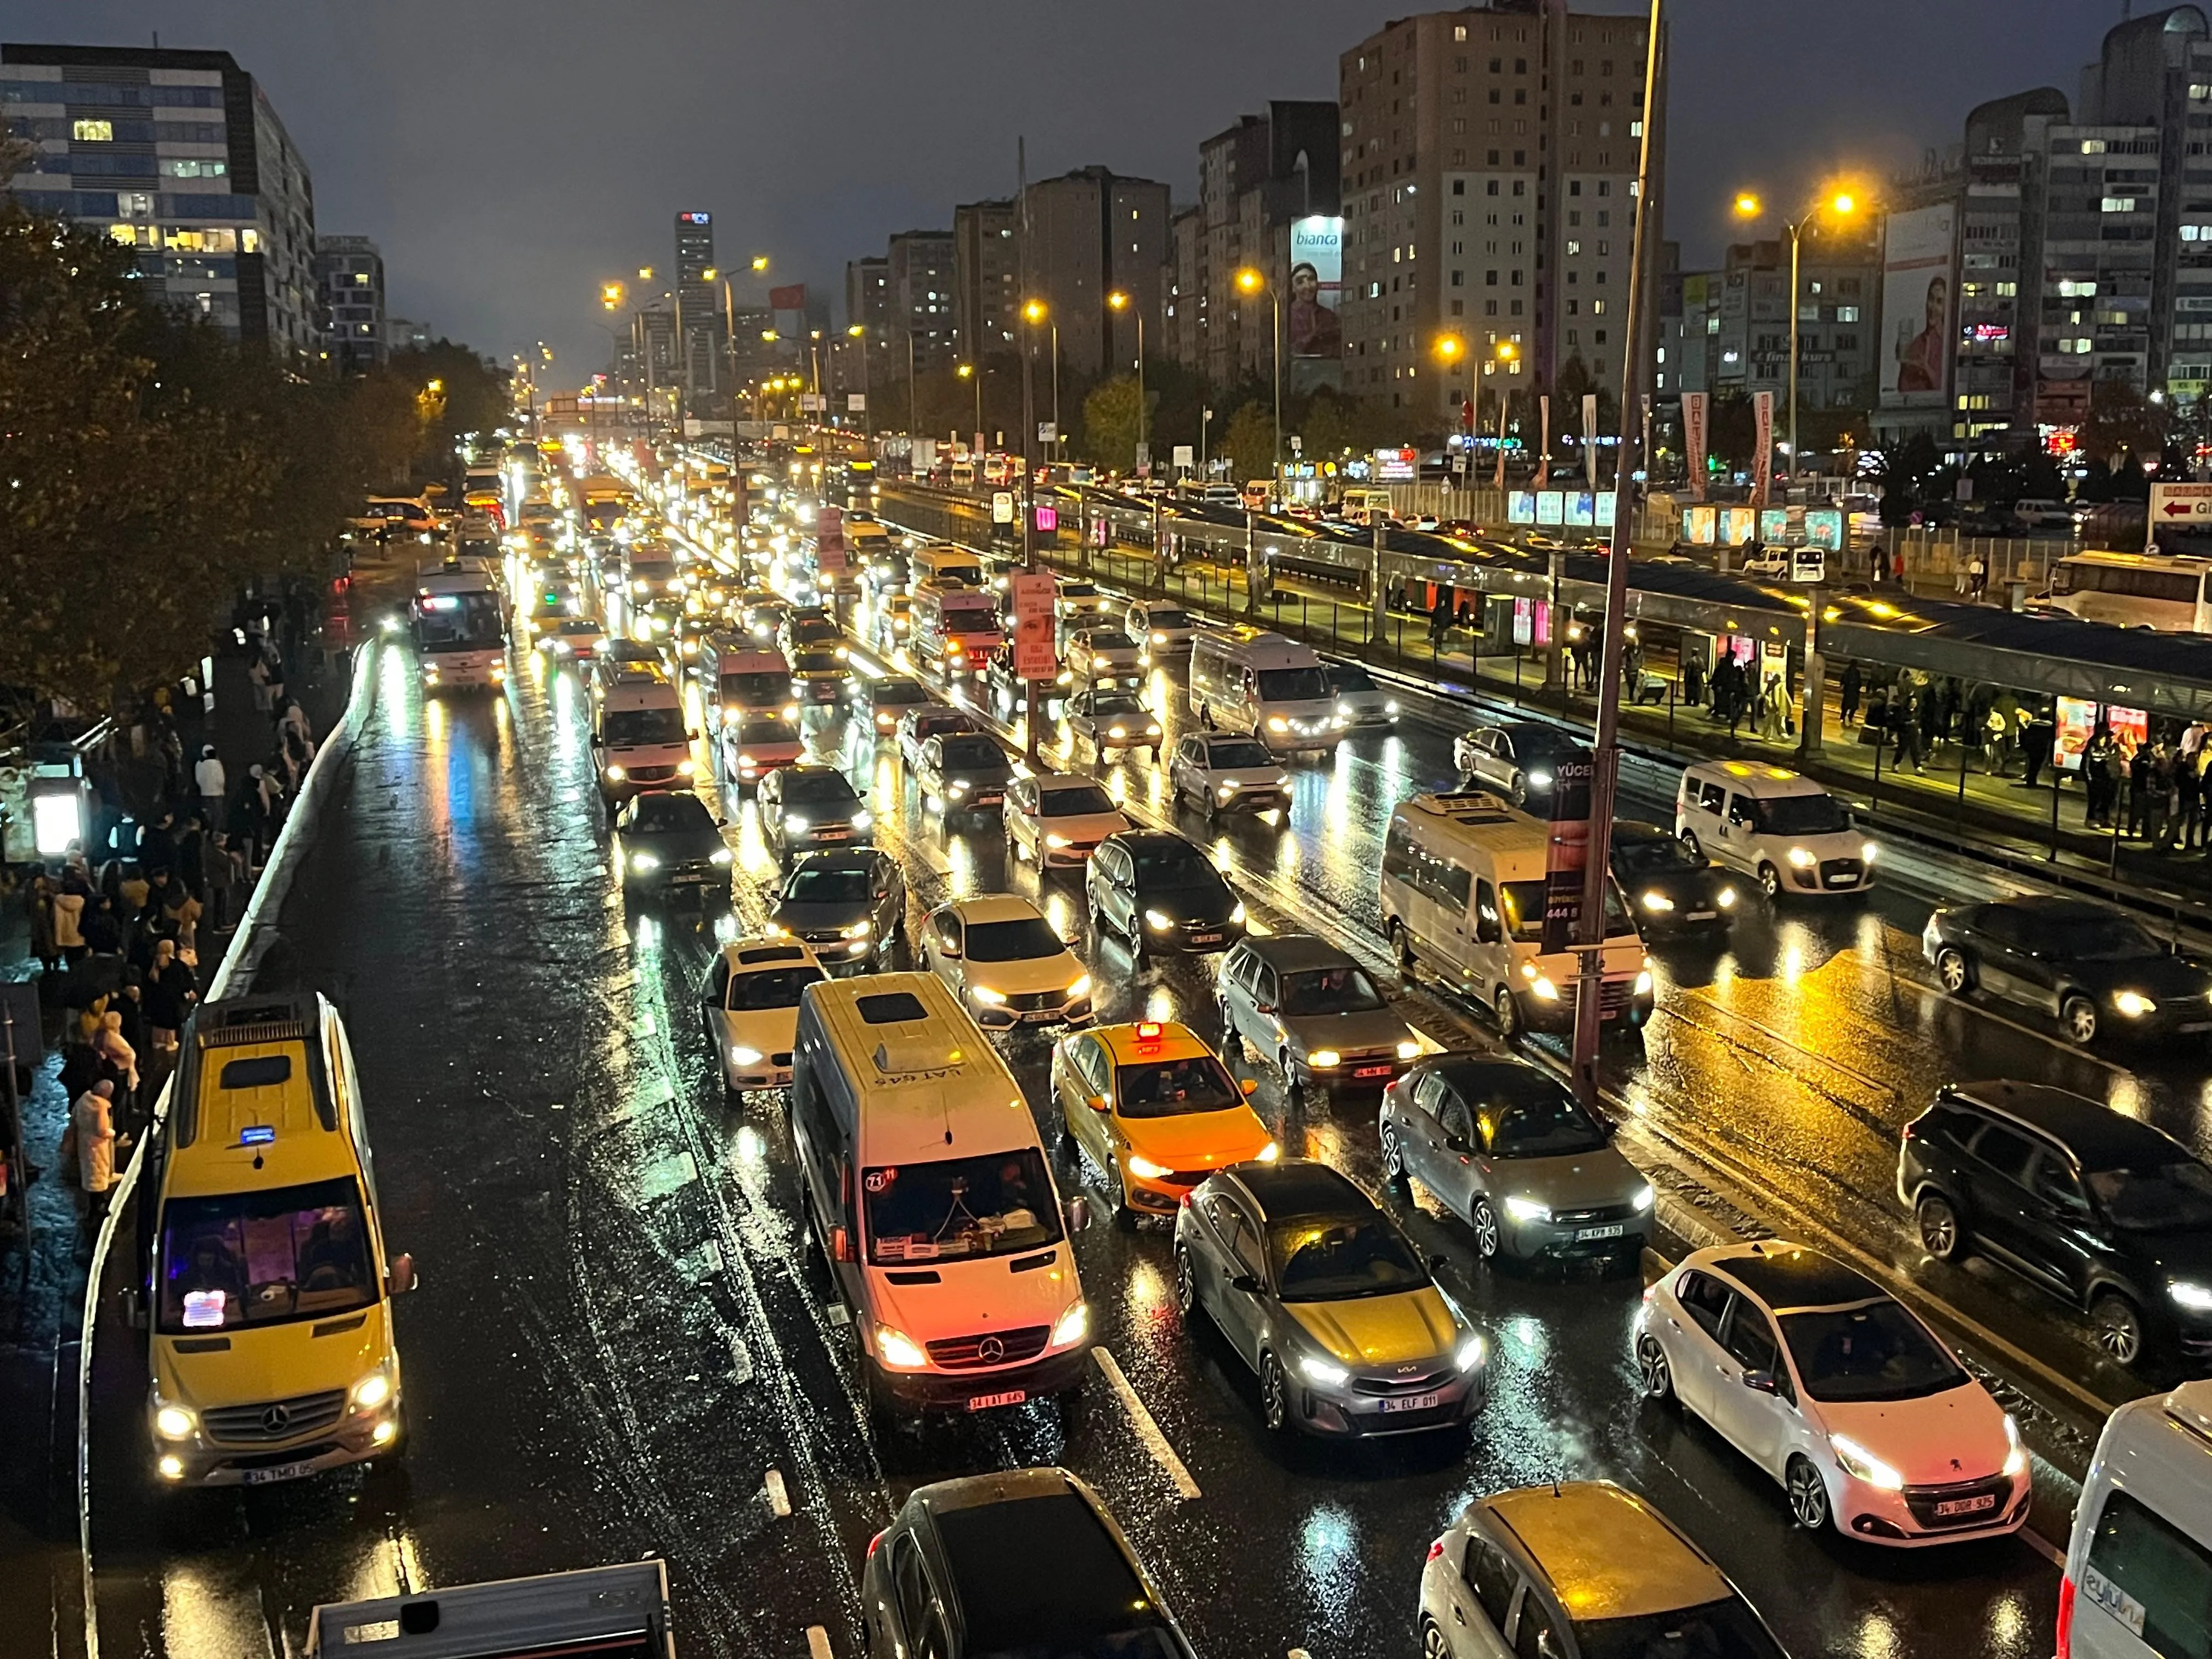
1489,166
1184,300
179,156
1093,232
868,292
920,312
986,277
1838,291
349,275
1258,180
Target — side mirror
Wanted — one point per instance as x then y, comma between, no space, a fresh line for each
1250,1085
1244,1282
1760,1382
841,1245
1077,1211
401,1279
1263,1008
1096,1102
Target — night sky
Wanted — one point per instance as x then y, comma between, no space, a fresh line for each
507,156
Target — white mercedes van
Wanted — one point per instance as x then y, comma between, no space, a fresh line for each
2139,1567
928,1191
1245,680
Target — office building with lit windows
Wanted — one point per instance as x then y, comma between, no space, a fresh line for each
181,156
349,274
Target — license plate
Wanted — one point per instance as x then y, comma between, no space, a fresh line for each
1043,1017
981,1402
1613,1231
1205,938
831,835
1371,1071
1703,915
1843,881
281,1472
2196,1025
1987,1500
1416,1402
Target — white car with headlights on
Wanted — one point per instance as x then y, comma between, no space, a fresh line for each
1220,772
1835,1390
1054,818
751,1005
1006,963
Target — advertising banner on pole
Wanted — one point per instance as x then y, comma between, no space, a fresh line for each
1589,438
1567,852
1697,411
1762,453
1037,652
1544,443
1918,293
1311,326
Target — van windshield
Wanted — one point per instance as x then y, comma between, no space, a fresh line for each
264,1258
1292,684
1524,911
959,1206
1803,815
623,727
755,689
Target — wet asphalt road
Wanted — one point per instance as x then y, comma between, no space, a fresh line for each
619,1333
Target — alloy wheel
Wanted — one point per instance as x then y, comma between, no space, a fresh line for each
2080,1019
1651,1365
1951,968
1274,1394
1485,1221
2117,1327
1809,1495
1939,1228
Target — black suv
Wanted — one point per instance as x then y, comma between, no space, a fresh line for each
2100,1210
2097,969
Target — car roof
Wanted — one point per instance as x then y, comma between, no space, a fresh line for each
2054,907
1301,1186
1286,953
1163,1039
1637,830
764,954
1759,778
839,858
1477,1075
993,907
1607,1553
1785,1275
984,1521
2099,1137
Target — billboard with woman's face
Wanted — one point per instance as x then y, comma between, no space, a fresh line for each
1311,323
1919,293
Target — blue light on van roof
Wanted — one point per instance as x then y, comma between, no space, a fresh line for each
257,1134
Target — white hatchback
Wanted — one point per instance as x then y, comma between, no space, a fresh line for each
1006,963
751,1004
1055,818
1838,1391
1227,772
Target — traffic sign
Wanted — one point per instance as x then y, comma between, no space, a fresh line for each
2181,503
1002,506
1037,654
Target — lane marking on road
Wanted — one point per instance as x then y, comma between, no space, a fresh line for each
818,1643
2043,1547
741,1359
778,1500
1147,1431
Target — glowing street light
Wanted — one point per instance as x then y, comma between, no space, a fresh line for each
1250,282
1121,302
1842,204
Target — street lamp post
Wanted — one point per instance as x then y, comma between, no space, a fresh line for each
913,398
1842,205
1120,300
1502,351
1248,283
1033,312
859,331
966,371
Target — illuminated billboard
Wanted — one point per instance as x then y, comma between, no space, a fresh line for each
1312,324
1919,297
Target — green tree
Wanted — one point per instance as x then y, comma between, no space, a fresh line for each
1250,440
2123,424
1110,423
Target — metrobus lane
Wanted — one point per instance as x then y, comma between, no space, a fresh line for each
609,1349
1292,1544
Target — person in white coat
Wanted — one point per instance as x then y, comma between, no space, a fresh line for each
213,784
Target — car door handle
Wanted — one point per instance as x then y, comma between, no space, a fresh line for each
1675,1322
1458,1617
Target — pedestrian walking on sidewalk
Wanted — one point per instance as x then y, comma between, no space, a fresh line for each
1904,711
172,987
2139,769
1978,578
1878,563
2097,779
92,1138
2036,739
1851,695
208,779
1694,681
1439,623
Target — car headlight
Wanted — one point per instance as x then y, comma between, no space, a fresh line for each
1391,707
794,824
1326,1372
1146,1167
1539,780
173,1423
745,1056
861,820
1528,1209
1410,1048
2134,1003
616,775
1269,1153
685,769
722,855
1082,985
1117,732
370,1392
1540,987
1645,1197
1656,901
2197,1298
1870,852
857,930
2015,1463
1471,1352
1644,983
1862,1465
1804,858
1072,1326
1159,638
1277,723
898,1351
1225,791
1323,1060
1156,921
791,711
985,993
1725,898
643,861
1237,914
1055,841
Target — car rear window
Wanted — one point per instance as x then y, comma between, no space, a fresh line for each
1090,1595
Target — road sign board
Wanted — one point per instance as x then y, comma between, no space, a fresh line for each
1002,506
1037,654
2181,503
1048,432
1183,458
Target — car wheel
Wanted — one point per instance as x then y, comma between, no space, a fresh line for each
1507,1008
1808,1494
2116,1324
1393,1158
1689,839
1954,970
1517,792
1124,1218
1274,1395
1403,942
1651,1365
1484,1220
1940,1235
1186,1281
1770,882
2079,1016
1433,1644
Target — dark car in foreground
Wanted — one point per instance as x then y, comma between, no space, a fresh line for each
850,905
1671,888
1160,892
2107,1214
666,841
805,807
2095,969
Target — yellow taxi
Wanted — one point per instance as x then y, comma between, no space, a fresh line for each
1156,1109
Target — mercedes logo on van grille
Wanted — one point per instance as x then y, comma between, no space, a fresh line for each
990,1351
277,1419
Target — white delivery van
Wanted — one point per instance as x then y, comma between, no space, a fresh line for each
638,737
2139,1569
1774,824
928,1189
943,565
1463,893
1245,680
952,631
751,679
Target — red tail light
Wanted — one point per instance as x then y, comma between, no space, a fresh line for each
2065,1617
1188,1198
1436,1549
872,1542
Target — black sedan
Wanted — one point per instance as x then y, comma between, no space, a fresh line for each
882,702
1160,892
850,905
963,772
1670,888
2093,968
666,841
